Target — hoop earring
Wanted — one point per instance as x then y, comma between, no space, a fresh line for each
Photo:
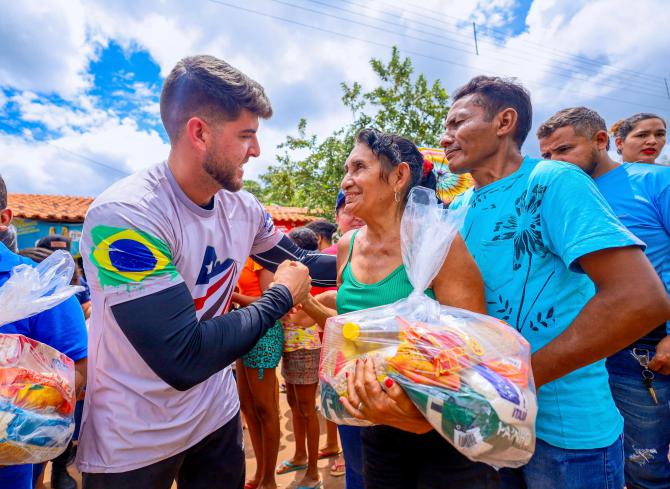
396,197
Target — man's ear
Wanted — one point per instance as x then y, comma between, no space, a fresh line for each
5,219
601,138
506,120
197,132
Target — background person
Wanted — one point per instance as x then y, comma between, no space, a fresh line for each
402,451
300,370
56,242
640,195
61,327
324,230
640,137
257,381
560,268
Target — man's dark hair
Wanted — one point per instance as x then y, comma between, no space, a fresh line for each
208,87
323,228
3,194
305,238
391,150
495,94
585,122
36,254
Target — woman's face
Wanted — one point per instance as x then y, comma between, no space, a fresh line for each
365,191
644,143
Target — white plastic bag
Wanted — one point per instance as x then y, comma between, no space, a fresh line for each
31,290
37,385
469,374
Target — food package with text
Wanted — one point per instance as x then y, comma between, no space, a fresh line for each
469,374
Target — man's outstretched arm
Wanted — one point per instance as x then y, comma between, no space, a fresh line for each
164,329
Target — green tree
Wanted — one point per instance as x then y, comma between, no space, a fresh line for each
402,104
255,188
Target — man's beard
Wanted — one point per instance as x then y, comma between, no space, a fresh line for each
222,172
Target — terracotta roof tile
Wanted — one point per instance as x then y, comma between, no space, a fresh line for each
59,208
62,208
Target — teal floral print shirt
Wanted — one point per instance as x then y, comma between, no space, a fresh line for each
527,232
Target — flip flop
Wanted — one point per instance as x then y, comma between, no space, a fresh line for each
318,485
325,454
338,469
285,467
250,485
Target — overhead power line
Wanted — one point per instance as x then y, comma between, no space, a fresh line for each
568,72
95,162
468,67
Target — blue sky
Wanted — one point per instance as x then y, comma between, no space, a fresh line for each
80,81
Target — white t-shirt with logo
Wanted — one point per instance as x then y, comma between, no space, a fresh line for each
141,236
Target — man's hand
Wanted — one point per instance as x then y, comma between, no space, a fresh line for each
295,276
661,361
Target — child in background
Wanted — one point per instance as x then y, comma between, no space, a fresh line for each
257,381
300,366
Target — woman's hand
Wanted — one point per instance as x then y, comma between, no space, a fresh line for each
390,406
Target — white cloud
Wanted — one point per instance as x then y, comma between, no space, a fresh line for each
56,117
45,46
83,164
49,47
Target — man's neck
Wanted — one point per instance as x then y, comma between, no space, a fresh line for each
192,179
604,165
498,166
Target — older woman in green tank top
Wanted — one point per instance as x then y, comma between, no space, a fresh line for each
402,451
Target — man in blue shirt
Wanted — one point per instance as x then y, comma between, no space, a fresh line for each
560,268
61,327
639,194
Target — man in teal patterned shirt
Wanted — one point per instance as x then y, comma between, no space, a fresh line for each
560,268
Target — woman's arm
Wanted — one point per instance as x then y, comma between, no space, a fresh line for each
321,307
459,282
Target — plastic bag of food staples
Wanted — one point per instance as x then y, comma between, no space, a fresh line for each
37,399
469,374
37,388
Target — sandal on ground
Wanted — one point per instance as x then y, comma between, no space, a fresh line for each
286,466
318,485
328,454
251,485
337,469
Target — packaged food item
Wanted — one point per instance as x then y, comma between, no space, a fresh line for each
37,399
37,387
469,374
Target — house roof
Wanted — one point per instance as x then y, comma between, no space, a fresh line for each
64,208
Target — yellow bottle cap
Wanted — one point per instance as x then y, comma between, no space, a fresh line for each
351,331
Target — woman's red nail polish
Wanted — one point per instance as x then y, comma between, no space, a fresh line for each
346,375
388,382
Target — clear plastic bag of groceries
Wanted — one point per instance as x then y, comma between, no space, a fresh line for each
37,388
469,374
37,399
31,290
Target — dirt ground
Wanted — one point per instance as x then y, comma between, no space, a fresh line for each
286,481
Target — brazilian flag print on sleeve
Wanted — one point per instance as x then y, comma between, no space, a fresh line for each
126,257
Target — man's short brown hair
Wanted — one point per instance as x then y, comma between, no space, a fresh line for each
206,86
584,121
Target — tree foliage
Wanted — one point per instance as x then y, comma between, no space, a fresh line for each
401,103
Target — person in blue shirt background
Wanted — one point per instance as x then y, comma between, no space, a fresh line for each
639,194
560,268
61,327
